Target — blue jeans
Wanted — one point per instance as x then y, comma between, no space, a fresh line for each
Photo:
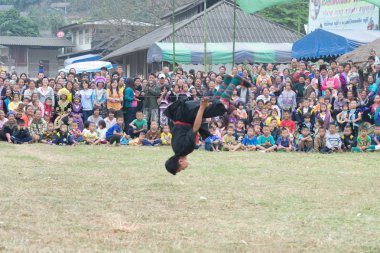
147,143
86,114
16,140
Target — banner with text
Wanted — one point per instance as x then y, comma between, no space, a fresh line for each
343,14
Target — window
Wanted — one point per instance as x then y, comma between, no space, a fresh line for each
87,36
80,37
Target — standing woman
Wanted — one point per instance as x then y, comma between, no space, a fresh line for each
139,85
114,97
331,83
130,103
100,95
45,91
87,99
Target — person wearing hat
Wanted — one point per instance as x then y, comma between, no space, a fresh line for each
100,95
63,108
161,79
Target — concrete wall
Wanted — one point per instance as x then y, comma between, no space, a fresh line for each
49,56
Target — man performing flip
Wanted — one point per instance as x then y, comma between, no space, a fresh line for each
187,117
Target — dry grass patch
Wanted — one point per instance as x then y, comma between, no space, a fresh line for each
101,199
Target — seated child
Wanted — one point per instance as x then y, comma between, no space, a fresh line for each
138,125
375,136
101,131
76,133
229,140
250,141
115,133
364,141
91,136
320,140
240,130
48,134
288,122
242,113
307,123
110,120
266,142
305,141
166,136
21,135
213,142
63,137
348,139
284,142
333,142
138,141
342,117
273,129
153,136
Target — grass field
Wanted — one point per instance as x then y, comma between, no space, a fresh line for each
104,199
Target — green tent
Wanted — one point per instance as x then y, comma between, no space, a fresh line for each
251,6
221,53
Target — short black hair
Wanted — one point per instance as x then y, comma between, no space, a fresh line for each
102,123
172,164
20,122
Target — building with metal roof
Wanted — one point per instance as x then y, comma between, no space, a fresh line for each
34,41
32,54
250,29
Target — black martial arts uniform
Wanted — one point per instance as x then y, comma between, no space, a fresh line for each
183,113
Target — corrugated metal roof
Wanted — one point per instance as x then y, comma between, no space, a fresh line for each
250,28
34,41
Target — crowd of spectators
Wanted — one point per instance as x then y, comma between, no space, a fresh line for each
306,107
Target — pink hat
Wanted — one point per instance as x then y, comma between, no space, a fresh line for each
99,79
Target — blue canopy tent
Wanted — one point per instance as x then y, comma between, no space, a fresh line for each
82,58
323,44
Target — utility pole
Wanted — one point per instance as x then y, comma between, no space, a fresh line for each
173,35
234,36
205,62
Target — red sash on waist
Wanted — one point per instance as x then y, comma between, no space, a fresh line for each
182,123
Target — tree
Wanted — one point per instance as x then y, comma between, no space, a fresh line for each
293,15
13,24
47,19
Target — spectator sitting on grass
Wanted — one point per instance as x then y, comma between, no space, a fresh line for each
213,142
229,140
250,141
63,136
153,136
364,141
110,120
266,142
91,136
305,141
348,139
138,125
320,140
21,135
333,142
115,133
166,136
284,142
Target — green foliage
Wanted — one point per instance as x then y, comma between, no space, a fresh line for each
293,15
13,24
46,18
20,4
